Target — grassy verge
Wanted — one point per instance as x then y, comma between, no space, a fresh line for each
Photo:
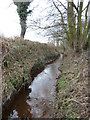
72,91
19,57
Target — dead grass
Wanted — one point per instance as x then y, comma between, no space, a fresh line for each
18,57
72,94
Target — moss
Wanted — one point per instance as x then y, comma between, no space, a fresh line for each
62,82
62,85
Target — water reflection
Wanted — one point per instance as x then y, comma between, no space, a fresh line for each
39,102
14,114
43,90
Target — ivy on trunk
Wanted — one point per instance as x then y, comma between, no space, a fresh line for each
22,10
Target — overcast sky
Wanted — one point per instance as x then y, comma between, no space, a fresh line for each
9,20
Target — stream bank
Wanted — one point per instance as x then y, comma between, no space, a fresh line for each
21,59
72,100
37,101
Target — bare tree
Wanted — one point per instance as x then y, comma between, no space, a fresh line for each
67,22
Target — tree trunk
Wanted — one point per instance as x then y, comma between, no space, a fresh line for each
71,24
87,40
79,27
86,34
23,28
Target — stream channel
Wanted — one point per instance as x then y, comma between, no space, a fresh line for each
39,102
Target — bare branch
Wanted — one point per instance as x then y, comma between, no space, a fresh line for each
63,5
86,6
47,26
72,3
10,5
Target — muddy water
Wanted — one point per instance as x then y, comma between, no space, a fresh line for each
37,103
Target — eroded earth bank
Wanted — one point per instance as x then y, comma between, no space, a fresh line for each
21,59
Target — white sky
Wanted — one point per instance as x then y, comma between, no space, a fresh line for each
9,20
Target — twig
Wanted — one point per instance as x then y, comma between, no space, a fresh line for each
74,101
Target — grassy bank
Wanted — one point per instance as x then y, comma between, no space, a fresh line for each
72,90
21,59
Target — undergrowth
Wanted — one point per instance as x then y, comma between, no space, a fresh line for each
72,91
18,58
